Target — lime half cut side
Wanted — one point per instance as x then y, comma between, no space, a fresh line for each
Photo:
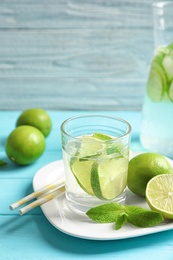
156,84
109,178
159,194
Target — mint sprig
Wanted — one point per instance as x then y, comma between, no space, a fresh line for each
120,215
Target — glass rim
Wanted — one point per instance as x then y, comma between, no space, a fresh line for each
161,4
129,129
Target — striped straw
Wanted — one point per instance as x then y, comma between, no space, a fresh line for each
40,201
54,186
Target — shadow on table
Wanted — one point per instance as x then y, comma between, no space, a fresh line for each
73,245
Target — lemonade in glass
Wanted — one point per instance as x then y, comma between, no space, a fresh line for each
95,154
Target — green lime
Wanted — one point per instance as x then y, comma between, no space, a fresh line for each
109,178
25,145
36,117
142,168
159,194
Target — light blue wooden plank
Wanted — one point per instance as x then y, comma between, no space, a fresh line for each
67,14
87,55
16,171
12,190
45,242
33,237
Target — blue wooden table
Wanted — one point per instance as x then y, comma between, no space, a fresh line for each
32,237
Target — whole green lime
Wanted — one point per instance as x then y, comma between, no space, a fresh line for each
25,145
36,117
144,167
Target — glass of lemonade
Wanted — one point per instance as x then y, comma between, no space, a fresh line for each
157,123
95,154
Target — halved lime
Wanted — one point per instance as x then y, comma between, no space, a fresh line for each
109,178
156,84
159,194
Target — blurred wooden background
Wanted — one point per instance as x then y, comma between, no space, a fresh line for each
74,54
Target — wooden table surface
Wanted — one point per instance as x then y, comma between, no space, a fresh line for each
73,54
32,237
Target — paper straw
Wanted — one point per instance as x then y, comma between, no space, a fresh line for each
40,201
50,187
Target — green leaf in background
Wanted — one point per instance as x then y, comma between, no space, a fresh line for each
2,163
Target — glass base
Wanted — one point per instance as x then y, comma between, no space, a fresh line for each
83,204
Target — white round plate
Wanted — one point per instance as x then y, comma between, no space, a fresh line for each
79,225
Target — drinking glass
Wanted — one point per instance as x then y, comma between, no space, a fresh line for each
157,123
95,154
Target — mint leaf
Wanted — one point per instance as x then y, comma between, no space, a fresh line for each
114,212
121,220
106,213
2,163
143,218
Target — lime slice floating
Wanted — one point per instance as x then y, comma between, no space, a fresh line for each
97,166
82,172
111,147
156,84
168,66
159,194
170,91
101,136
109,178
90,147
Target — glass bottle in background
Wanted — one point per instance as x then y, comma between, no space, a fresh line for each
157,114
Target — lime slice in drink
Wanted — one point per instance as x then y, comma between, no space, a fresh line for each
89,150
168,66
89,147
108,178
156,84
82,172
159,194
111,147
101,136
98,149
170,91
